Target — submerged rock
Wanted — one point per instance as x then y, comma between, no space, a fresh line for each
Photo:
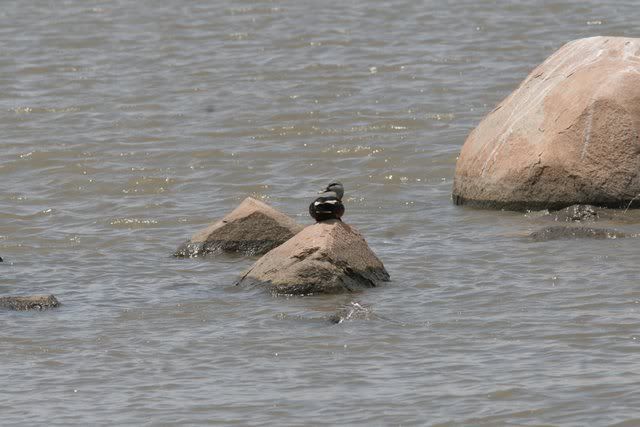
567,135
325,258
561,232
351,311
577,213
34,302
253,228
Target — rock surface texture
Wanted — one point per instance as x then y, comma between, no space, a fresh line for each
325,258
35,302
569,134
253,228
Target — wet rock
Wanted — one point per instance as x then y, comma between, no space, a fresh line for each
567,135
325,258
253,228
577,213
1,259
352,311
561,232
35,302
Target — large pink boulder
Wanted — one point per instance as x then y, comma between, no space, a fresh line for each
569,134
253,228
325,258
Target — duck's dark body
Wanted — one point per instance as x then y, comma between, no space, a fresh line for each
326,207
329,204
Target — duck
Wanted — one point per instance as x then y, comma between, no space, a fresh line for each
329,204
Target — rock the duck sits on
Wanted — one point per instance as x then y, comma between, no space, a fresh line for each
327,257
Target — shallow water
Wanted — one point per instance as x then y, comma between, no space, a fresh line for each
129,126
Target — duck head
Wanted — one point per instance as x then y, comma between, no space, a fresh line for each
335,187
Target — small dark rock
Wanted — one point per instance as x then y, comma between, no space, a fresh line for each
351,311
34,302
190,249
577,213
562,232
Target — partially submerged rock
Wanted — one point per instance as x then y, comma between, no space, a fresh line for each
34,302
351,311
562,232
325,258
577,213
567,135
253,228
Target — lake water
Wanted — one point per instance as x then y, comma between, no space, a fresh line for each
128,126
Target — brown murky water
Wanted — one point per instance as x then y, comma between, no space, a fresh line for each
127,126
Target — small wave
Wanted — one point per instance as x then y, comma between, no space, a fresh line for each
129,222
28,110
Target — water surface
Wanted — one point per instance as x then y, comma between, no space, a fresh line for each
127,126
